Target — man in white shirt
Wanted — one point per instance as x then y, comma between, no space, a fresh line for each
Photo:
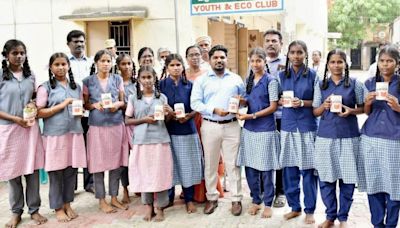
317,65
80,66
204,42
162,55
111,46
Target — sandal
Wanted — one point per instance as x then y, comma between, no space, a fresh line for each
280,201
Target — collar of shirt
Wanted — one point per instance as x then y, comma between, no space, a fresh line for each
262,81
392,79
333,83
72,57
299,73
279,58
211,73
171,81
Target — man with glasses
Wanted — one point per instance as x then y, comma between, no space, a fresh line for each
80,66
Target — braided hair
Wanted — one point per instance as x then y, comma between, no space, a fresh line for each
392,51
260,53
151,70
267,67
168,61
164,71
118,61
52,79
342,54
93,69
287,66
8,46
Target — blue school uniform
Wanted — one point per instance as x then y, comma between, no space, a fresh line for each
185,142
379,159
338,137
297,141
336,147
298,124
259,146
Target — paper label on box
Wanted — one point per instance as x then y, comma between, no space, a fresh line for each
287,97
179,110
336,103
233,105
29,116
382,90
77,108
106,100
159,112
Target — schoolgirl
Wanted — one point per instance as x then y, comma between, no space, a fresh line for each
128,72
298,131
21,148
104,97
150,163
337,142
259,146
379,159
185,142
63,134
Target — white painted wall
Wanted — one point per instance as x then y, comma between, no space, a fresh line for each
396,31
37,24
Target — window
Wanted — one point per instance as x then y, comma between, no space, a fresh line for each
120,32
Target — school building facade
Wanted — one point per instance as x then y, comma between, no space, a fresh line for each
44,24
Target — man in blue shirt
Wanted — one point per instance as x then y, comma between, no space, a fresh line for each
220,130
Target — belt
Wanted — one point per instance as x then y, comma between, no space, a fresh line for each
222,121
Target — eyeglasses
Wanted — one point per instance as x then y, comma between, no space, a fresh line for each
194,55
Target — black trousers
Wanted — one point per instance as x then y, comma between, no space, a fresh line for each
278,173
87,177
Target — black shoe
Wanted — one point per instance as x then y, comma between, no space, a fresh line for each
236,208
210,206
90,189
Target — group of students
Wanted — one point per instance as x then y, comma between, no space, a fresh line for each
331,151
140,128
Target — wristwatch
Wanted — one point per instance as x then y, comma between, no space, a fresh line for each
301,103
254,116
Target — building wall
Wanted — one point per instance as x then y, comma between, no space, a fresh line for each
37,24
396,31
